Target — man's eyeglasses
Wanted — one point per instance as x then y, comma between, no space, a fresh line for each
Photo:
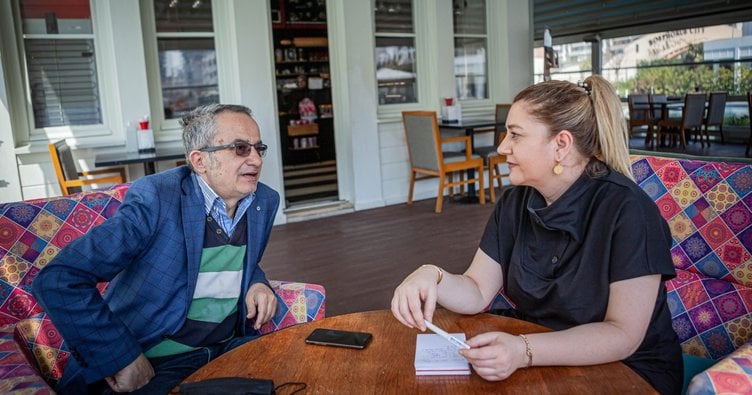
242,148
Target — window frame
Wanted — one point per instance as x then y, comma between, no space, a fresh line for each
105,73
486,38
421,56
170,129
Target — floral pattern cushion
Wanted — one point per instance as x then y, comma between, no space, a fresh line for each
17,375
708,206
296,303
731,375
32,232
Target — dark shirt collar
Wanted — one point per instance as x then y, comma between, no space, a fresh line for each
565,213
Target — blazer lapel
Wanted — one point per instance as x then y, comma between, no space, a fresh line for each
192,212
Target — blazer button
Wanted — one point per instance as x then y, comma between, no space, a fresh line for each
258,208
555,259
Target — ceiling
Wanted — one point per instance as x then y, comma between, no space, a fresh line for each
577,20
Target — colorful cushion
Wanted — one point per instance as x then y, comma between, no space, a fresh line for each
732,375
711,317
708,206
44,346
16,374
296,303
32,232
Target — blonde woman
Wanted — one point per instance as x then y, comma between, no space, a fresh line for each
575,244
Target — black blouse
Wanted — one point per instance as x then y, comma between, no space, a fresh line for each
559,260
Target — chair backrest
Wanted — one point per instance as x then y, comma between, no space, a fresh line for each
502,111
422,136
656,102
694,110
716,108
639,108
65,166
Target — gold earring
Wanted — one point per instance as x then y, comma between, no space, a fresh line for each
558,169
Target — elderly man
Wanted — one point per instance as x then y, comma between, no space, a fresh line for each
182,258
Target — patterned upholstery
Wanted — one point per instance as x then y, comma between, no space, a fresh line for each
34,231
17,375
708,206
732,375
297,302
31,233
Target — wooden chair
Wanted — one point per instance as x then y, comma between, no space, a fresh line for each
691,120
749,141
68,176
640,114
492,158
716,110
424,144
658,106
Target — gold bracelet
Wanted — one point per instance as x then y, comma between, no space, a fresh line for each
438,269
528,351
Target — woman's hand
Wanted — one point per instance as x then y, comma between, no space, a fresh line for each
418,290
495,355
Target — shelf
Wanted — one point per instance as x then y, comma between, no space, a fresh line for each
326,88
302,61
302,130
293,75
303,148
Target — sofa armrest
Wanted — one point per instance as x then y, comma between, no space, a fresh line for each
16,373
730,375
297,303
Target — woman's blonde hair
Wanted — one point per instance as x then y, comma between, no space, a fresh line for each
592,112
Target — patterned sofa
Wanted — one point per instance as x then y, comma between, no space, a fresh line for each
32,353
708,206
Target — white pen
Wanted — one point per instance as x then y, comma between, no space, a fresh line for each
451,339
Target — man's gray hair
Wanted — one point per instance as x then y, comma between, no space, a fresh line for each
198,125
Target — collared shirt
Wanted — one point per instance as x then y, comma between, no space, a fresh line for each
215,206
559,261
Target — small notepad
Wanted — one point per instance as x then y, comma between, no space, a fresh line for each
434,356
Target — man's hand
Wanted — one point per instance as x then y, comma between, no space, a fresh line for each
133,376
260,303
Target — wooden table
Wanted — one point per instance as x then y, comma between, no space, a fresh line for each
469,127
385,366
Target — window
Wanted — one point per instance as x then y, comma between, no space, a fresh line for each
395,52
186,53
575,62
703,58
61,66
470,45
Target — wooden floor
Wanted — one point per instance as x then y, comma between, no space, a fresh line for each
731,149
361,257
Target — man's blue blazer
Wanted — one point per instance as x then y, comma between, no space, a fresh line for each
150,253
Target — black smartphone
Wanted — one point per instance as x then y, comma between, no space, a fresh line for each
335,337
